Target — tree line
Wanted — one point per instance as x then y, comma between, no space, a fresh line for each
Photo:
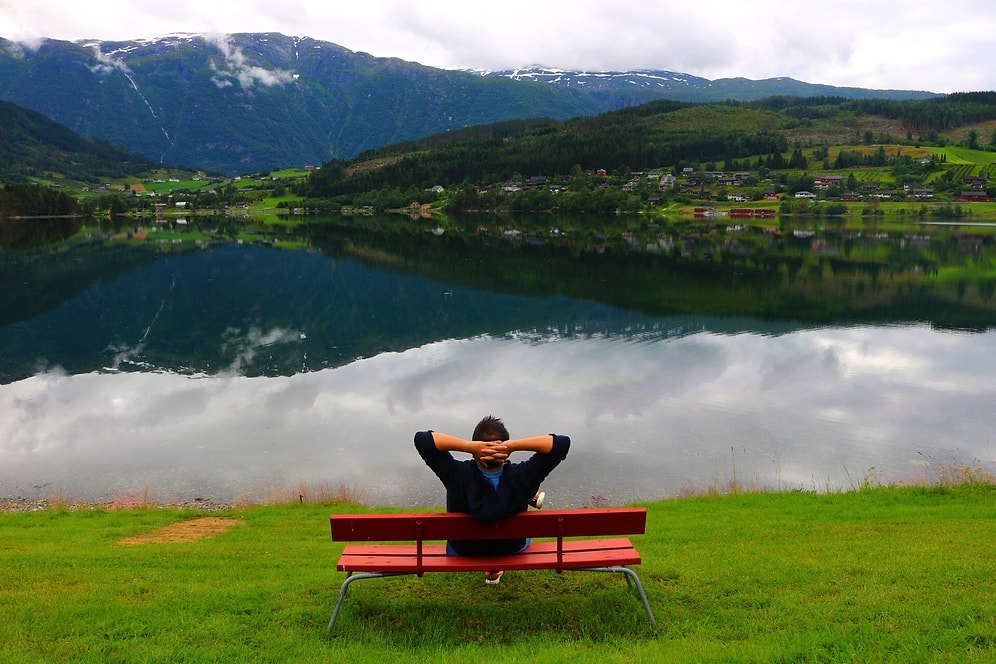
920,115
30,200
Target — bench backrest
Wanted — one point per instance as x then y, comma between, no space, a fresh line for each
449,525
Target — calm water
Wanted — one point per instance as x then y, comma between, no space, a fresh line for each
218,365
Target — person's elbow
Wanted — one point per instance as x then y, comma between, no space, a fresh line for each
424,441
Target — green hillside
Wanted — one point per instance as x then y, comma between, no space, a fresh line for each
910,143
881,150
45,167
34,146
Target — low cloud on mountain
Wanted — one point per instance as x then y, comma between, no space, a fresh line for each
236,68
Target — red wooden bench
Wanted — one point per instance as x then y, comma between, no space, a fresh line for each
608,553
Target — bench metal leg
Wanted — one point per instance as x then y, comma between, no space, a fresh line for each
345,586
630,576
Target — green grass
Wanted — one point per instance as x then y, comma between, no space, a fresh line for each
290,172
271,202
880,574
958,155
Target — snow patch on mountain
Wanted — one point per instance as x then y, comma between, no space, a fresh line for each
599,80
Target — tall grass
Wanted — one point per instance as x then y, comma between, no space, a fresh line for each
323,492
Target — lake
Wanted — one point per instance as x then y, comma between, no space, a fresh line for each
238,360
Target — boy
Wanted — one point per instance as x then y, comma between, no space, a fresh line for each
490,487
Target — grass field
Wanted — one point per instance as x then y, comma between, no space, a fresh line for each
878,574
958,155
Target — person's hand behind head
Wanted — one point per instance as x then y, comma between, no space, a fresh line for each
491,454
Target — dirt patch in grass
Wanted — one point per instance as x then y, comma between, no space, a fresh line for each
184,531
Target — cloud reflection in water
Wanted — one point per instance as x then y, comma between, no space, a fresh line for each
649,416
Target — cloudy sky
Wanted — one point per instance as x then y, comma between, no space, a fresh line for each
888,44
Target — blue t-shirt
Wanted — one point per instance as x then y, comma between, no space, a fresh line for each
492,477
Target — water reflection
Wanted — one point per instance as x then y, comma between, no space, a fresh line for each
651,416
228,368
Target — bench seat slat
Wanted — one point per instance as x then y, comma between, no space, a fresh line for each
439,550
540,555
455,564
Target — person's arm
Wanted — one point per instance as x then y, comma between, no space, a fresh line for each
444,442
490,453
541,444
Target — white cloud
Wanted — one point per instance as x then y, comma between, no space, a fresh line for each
235,67
648,416
244,346
107,64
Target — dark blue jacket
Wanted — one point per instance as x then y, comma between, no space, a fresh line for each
469,492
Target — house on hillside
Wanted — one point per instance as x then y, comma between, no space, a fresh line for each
823,182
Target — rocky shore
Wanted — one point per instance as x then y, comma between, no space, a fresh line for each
42,504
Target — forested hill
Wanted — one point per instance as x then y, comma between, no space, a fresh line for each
32,144
659,134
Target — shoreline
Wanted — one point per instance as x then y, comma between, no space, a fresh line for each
975,474
16,505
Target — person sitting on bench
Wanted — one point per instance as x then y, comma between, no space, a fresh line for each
490,486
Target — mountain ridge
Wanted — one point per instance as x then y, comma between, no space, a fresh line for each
255,101
689,87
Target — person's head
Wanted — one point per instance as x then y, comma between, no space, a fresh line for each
490,429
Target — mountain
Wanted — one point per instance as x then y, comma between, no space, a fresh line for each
249,102
33,144
686,87
243,103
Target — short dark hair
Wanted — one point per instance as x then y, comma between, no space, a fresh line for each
490,429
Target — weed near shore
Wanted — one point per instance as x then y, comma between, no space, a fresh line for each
935,474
